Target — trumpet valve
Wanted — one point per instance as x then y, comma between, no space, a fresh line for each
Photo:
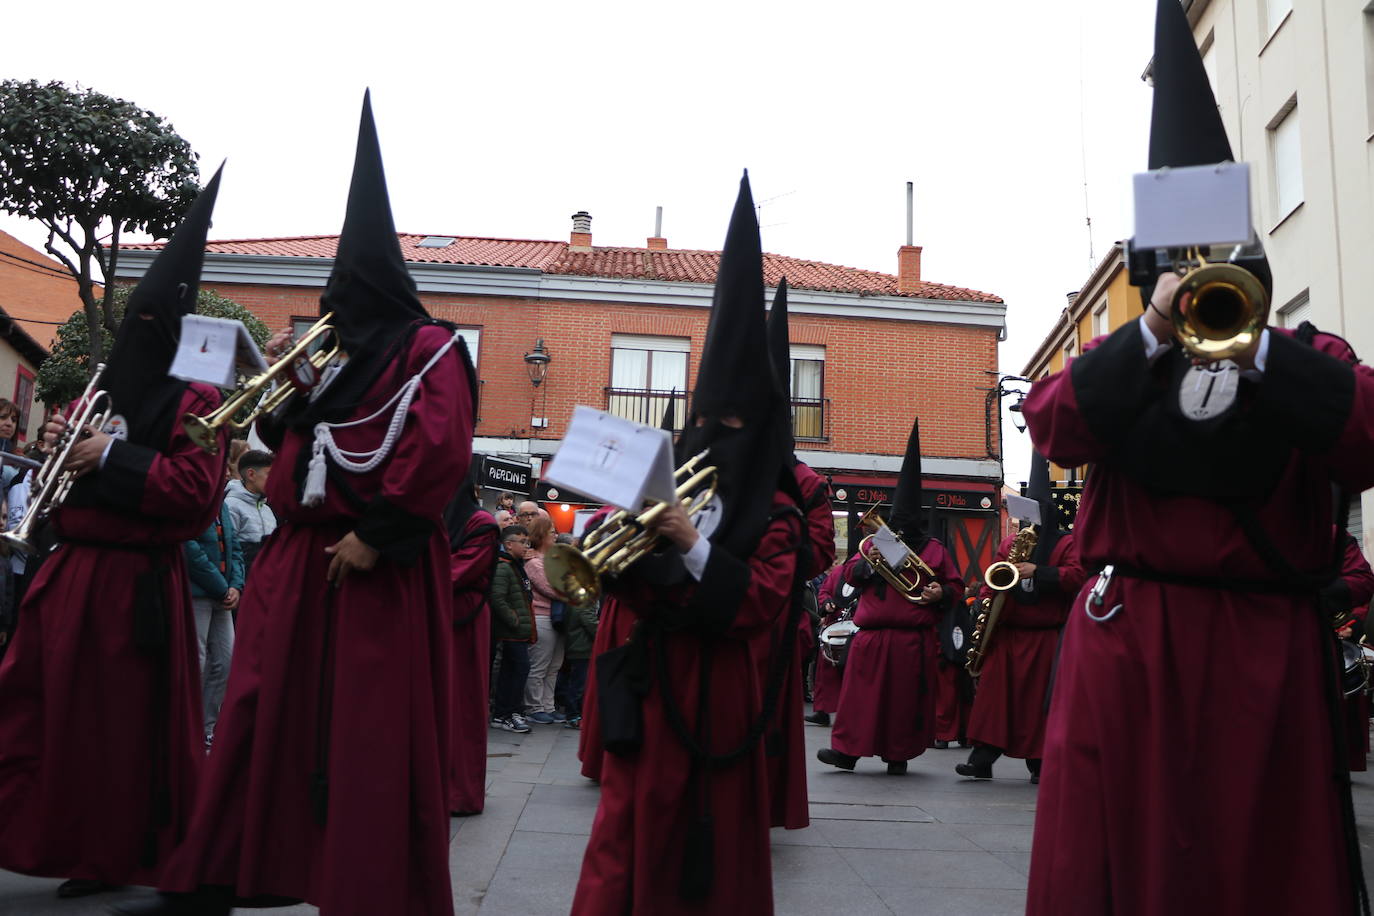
201,433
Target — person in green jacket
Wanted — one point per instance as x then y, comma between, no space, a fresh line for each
512,629
581,635
214,564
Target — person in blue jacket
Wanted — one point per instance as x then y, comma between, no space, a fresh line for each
214,562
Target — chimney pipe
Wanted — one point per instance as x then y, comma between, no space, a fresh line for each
909,237
657,242
581,238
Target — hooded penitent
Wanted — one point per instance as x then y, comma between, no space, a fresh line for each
1185,126
668,421
462,507
906,520
1050,530
370,293
141,391
780,353
736,380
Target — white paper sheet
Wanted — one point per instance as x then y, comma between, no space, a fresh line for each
613,460
210,349
892,549
1019,507
1197,205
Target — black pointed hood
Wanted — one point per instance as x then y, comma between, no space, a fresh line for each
1185,126
736,380
669,414
370,291
907,520
1038,488
780,355
136,376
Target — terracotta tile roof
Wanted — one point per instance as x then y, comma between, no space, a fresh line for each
35,290
672,265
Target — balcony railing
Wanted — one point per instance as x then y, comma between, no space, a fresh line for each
810,416
647,406
811,419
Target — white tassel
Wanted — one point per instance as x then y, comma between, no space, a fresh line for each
315,476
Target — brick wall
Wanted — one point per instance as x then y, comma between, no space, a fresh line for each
878,373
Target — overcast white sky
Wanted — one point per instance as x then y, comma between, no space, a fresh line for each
501,119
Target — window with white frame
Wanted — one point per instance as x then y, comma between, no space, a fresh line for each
1070,348
808,387
1285,155
1275,12
648,374
1297,311
1100,319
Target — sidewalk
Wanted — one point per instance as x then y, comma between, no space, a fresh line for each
926,842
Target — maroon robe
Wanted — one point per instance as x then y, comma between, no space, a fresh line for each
785,740
612,629
90,723
887,705
825,692
1188,755
1009,711
952,704
470,571
1359,581
634,858
382,726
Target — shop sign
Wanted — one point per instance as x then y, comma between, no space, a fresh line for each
500,474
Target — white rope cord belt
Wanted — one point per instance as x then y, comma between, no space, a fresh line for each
362,462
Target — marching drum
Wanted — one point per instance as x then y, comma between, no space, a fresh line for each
835,641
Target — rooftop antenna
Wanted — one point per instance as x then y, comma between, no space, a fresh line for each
909,209
1083,145
658,222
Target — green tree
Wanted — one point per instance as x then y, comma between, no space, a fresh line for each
64,374
89,167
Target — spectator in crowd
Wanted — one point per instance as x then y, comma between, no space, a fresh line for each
512,629
546,656
505,518
9,437
578,640
214,564
506,501
247,504
529,511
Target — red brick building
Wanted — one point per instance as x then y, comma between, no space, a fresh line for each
624,327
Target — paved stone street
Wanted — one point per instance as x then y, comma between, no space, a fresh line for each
928,842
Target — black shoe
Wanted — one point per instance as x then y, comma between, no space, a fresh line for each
836,759
975,772
200,903
896,767
807,697
939,745
1035,779
817,718
963,743
82,887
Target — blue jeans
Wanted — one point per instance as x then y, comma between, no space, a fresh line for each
509,696
576,686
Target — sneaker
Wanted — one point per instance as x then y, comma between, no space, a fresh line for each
521,722
558,716
574,722
510,724
540,718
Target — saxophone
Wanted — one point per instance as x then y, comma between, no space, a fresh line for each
1001,577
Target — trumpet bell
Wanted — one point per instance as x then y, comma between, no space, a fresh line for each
1219,311
14,542
571,575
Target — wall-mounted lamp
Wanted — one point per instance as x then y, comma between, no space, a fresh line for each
537,363
1018,418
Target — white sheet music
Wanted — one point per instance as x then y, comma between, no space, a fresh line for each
892,549
613,460
211,348
1019,507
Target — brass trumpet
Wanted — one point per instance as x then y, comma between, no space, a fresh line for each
1219,309
911,577
306,367
53,481
621,539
